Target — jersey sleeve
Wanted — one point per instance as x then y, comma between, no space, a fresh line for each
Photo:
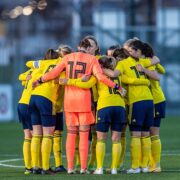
23,83
97,71
33,64
85,85
54,72
134,81
22,77
146,62
160,69
151,68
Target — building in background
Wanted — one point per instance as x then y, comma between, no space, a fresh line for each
29,27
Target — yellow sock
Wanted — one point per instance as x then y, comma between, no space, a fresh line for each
116,151
77,151
123,150
27,153
135,151
93,150
57,148
151,160
36,150
146,151
100,153
40,156
156,149
46,151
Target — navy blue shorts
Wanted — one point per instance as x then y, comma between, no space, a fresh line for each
24,116
113,117
59,121
41,110
141,115
160,111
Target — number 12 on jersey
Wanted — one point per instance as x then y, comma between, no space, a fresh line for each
73,73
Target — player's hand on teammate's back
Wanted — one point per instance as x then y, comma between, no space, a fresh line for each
56,81
85,77
28,77
63,81
122,92
35,84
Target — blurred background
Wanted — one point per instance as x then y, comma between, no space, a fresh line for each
29,27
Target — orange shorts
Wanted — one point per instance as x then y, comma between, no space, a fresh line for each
79,118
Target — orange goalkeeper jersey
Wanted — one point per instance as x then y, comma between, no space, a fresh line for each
77,64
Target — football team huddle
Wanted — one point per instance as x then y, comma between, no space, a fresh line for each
92,94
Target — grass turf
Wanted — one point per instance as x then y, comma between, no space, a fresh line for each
11,138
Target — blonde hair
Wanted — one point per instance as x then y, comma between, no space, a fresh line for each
65,48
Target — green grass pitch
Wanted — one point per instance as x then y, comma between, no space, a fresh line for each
11,138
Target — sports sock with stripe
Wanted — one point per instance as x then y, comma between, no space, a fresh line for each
46,151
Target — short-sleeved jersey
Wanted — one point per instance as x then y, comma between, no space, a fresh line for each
26,94
156,90
49,89
108,97
128,67
85,85
22,77
77,64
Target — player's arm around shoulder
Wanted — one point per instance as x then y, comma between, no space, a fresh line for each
134,81
147,62
150,71
84,82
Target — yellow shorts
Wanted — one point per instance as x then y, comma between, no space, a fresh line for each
79,118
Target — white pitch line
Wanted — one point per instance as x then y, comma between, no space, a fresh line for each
10,160
11,166
108,154
11,155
